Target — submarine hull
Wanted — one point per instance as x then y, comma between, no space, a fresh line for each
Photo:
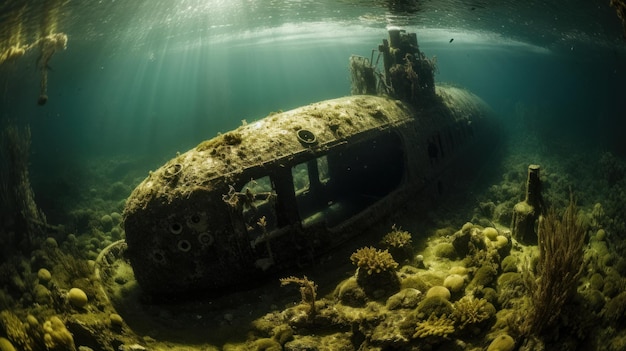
276,193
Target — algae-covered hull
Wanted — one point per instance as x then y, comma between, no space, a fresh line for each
277,192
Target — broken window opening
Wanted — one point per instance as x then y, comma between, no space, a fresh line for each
346,182
259,208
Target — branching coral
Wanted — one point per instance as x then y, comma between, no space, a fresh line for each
397,238
372,260
470,311
398,242
376,272
16,330
434,328
308,291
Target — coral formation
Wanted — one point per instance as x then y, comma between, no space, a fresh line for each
454,282
399,244
116,320
434,329
615,309
308,292
373,261
483,277
470,312
445,250
350,293
16,331
77,298
502,343
5,345
376,272
438,291
56,336
405,298
434,305
491,233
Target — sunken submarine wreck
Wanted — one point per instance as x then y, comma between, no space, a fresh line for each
280,191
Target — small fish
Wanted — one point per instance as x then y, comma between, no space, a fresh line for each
451,40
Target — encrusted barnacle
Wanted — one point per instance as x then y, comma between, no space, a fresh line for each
175,228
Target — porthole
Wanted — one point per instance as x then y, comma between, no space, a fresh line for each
205,239
306,137
158,256
176,228
184,245
195,219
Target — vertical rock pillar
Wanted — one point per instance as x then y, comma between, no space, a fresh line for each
526,213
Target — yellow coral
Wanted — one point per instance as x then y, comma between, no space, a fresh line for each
16,330
434,327
396,238
56,336
308,291
373,260
469,311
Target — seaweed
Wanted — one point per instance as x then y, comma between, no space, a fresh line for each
559,267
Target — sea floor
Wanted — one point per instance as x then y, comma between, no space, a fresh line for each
465,284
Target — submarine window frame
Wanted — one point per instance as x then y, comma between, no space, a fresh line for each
310,173
311,198
263,204
300,175
322,169
377,163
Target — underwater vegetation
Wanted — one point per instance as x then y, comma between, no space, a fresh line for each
559,267
468,280
465,283
468,287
